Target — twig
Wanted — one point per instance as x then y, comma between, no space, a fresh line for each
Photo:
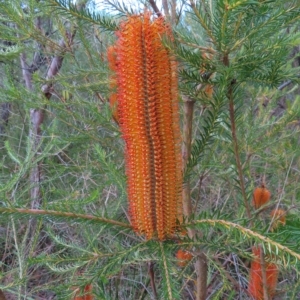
201,262
228,260
152,279
144,290
155,8
285,84
199,185
166,9
173,11
235,140
55,213
229,277
56,64
188,111
201,270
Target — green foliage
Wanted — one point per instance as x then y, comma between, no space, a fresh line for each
10,52
70,10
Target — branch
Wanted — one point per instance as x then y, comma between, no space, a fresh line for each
61,214
27,75
173,11
38,58
234,138
152,278
166,8
56,64
201,262
188,111
247,233
155,8
285,84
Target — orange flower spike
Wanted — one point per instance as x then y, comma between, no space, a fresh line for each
183,257
148,112
261,196
88,292
255,287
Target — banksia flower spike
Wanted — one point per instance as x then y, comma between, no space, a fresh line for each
261,196
147,97
255,287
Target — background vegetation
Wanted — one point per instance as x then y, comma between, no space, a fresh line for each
64,222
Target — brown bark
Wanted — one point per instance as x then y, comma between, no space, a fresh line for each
235,139
201,262
173,12
155,8
2,296
186,153
166,8
56,64
152,279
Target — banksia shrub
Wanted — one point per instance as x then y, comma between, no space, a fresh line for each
255,287
147,96
183,257
261,196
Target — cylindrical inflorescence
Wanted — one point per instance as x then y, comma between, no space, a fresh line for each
255,287
147,101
